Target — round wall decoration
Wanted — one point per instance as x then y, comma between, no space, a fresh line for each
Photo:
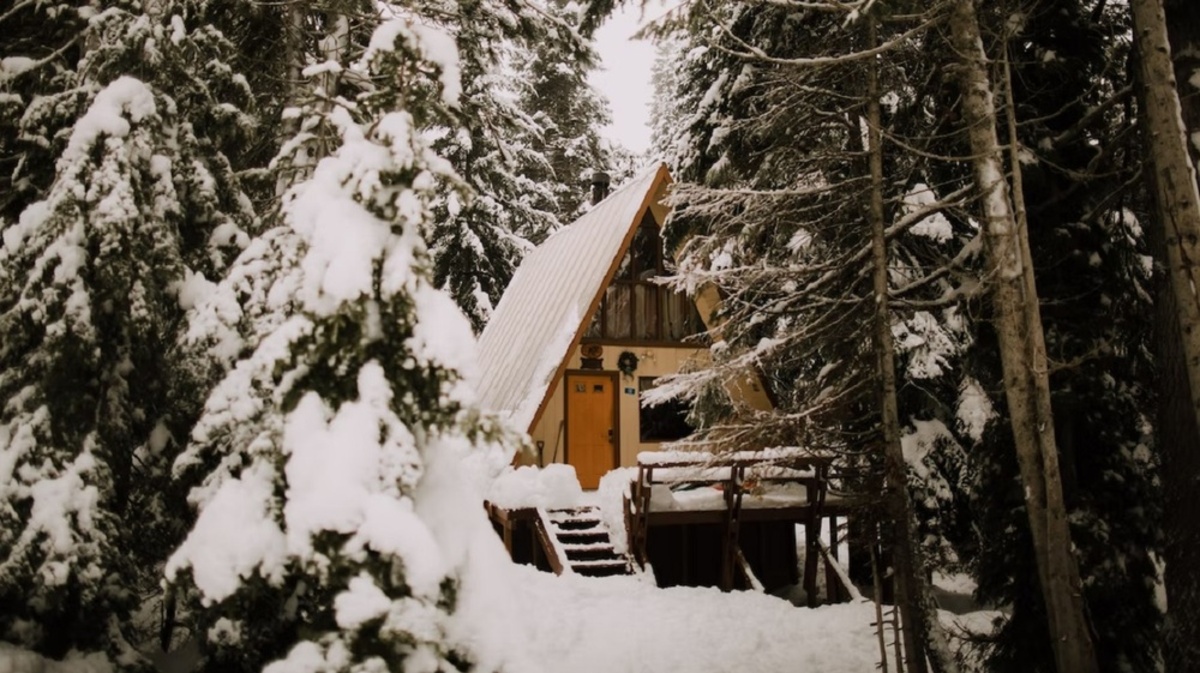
627,362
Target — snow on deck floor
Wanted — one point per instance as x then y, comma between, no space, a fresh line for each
624,625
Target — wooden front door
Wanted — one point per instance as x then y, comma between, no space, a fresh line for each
591,426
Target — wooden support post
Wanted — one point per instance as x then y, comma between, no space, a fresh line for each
733,505
536,555
645,488
685,573
727,545
815,494
832,583
811,552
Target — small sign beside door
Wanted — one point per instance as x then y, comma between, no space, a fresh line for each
630,391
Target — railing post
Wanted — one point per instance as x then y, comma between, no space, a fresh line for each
733,504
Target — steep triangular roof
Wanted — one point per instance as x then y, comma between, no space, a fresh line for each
552,295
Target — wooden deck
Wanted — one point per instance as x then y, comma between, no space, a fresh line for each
757,498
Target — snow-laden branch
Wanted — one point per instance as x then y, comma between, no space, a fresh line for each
752,52
850,8
14,9
34,65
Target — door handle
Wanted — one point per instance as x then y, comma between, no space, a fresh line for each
610,436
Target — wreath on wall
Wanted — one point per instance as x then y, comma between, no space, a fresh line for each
627,362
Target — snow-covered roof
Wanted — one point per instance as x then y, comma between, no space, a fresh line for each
544,309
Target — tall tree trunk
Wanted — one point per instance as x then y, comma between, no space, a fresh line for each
1175,180
294,87
922,633
1023,357
1168,113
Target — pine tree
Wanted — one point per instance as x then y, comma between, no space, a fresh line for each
319,448
569,113
141,195
39,42
477,244
666,111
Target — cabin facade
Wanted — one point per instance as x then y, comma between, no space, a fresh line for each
583,330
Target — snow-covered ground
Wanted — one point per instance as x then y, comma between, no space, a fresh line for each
625,625
516,619
537,622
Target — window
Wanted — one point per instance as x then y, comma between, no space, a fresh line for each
634,307
664,422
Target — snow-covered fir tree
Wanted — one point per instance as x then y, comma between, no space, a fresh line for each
666,111
124,192
321,542
569,114
477,245
320,39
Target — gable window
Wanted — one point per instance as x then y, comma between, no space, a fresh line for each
634,307
666,422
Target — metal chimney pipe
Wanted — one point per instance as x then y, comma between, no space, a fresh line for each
600,182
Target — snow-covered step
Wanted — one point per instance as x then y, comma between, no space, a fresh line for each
592,553
584,512
601,567
590,536
600,563
581,543
587,546
579,527
577,524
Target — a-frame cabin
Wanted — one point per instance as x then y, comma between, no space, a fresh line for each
582,331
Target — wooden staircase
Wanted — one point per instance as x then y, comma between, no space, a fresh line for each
577,541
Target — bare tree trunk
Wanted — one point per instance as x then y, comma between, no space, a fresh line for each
294,11
1181,444
1175,180
922,633
1169,113
1023,357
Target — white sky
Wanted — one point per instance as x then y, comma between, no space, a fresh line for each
624,74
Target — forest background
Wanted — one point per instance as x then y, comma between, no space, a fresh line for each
958,238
